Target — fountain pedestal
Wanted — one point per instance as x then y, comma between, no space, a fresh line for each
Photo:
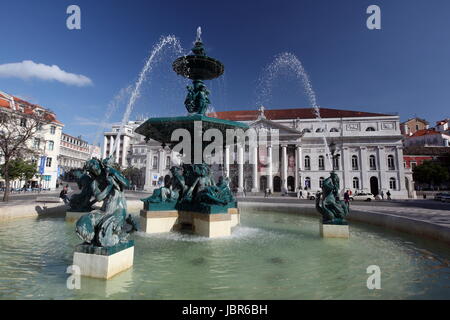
158,221
104,262
334,231
211,225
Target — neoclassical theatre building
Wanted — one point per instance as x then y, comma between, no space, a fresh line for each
368,152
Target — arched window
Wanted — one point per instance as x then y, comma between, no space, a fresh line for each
321,163
155,162
391,163
393,183
372,162
321,182
319,130
334,130
306,130
307,183
355,183
370,129
355,165
307,163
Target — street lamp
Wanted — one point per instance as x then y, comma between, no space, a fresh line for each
332,150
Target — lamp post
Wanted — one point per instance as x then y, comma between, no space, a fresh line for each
332,150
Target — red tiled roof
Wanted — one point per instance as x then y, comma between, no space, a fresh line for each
28,108
4,103
424,132
282,114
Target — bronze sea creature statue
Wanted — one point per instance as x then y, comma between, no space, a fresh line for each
110,225
328,204
81,202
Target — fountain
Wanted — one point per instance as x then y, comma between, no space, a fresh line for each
332,210
191,196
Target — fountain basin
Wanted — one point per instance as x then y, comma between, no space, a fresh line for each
198,67
161,129
272,255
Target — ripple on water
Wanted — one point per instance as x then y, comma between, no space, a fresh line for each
270,256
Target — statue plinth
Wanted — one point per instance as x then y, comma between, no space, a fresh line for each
158,221
104,262
334,231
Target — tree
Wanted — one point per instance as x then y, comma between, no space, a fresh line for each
134,175
431,173
16,131
19,169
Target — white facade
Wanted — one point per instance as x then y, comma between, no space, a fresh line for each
46,142
369,155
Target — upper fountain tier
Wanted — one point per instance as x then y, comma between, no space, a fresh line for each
198,66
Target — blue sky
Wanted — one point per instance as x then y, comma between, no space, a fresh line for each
404,67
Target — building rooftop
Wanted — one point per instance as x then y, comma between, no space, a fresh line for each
427,151
424,132
12,102
284,114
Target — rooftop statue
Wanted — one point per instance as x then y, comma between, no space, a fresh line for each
110,225
332,209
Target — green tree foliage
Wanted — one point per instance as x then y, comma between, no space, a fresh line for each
19,169
431,172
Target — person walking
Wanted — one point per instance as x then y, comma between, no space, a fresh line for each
63,195
388,194
382,195
347,199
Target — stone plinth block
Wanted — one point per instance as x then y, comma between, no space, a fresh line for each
235,216
73,216
212,225
334,231
104,263
158,221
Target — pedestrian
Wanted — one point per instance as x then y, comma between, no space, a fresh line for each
424,195
388,194
63,195
382,195
347,198
266,192
245,193
301,194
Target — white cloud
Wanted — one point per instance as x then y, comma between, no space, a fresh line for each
91,122
28,69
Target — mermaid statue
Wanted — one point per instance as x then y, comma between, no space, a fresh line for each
110,225
332,209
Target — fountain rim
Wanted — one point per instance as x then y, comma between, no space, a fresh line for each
181,66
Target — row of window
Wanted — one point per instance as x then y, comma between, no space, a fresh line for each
73,141
23,123
355,162
155,162
355,183
37,144
332,130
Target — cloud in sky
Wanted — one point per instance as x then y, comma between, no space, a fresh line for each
28,69
92,122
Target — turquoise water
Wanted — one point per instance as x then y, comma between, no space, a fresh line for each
270,256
